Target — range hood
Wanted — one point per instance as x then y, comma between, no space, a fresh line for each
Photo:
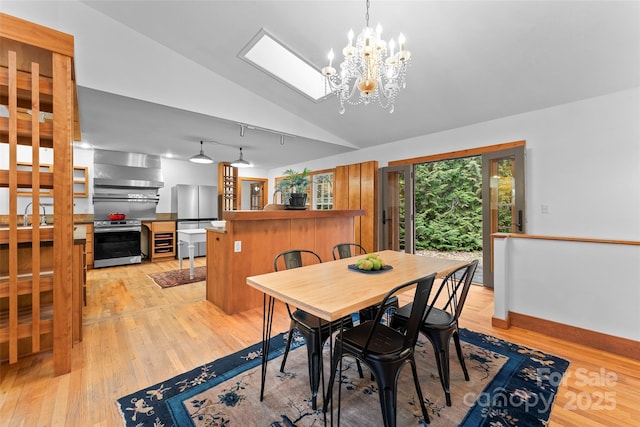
117,169
126,183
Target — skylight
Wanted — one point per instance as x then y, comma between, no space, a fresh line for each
269,55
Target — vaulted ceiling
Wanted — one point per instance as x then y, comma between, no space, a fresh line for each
472,61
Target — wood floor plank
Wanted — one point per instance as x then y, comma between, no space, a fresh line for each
136,334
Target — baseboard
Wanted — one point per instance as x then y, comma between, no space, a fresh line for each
501,323
617,345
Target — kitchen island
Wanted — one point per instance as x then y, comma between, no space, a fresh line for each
252,239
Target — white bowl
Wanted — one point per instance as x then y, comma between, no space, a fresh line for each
218,224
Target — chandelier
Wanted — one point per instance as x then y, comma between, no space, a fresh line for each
370,68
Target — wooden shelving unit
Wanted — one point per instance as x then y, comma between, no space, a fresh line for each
80,180
39,292
162,240
227,188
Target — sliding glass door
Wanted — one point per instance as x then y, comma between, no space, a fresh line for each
502,194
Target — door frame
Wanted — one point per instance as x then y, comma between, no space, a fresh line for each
264,182
491,152
388,189
489,224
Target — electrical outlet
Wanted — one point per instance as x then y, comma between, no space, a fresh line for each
237,246
545,209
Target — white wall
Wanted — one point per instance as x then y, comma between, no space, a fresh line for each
592,286
583,161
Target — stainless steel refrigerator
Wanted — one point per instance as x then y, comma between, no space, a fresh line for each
195,206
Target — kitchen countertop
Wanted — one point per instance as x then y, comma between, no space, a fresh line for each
25,234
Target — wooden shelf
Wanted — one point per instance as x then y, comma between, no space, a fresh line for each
228,188
80,181
25,283
162,240
25,180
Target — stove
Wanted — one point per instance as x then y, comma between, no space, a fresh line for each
117,224
116,242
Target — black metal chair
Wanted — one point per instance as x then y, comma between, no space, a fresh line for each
315,331
347,250
442,323
385,350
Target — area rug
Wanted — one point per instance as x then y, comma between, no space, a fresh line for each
510,385
169,279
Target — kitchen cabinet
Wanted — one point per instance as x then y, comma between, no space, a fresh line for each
88,249
80,181
162,240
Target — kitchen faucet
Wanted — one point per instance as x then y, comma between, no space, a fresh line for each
43,220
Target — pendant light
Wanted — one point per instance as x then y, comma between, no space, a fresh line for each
201,158
241,163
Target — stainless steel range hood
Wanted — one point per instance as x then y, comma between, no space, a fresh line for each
126,183
117,169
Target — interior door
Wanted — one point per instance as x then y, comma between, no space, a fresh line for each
396,209
503,200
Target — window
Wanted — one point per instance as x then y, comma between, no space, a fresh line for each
323,191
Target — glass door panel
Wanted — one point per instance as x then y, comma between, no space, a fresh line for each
396,209
503,188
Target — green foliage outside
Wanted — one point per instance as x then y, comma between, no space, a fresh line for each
448,205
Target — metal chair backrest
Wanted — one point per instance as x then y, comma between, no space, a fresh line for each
419,310
347,250
294,258
456,285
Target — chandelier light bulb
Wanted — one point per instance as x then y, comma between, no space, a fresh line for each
378,31
401,41
350,37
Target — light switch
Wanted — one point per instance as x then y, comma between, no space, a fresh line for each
237,246
545,209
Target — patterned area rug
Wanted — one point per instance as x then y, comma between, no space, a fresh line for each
509,385
169,279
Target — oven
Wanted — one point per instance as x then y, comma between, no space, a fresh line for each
116,243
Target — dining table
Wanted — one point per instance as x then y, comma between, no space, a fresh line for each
332,290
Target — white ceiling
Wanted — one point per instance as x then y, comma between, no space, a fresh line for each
472,61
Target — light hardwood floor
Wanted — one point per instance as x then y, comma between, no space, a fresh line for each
136,334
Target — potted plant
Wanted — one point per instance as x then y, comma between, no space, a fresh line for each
294,188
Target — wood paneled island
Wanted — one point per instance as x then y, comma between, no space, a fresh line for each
261,236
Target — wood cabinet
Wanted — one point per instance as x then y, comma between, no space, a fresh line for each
80,181
36,75
356,187
162,240
88,248
262,235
